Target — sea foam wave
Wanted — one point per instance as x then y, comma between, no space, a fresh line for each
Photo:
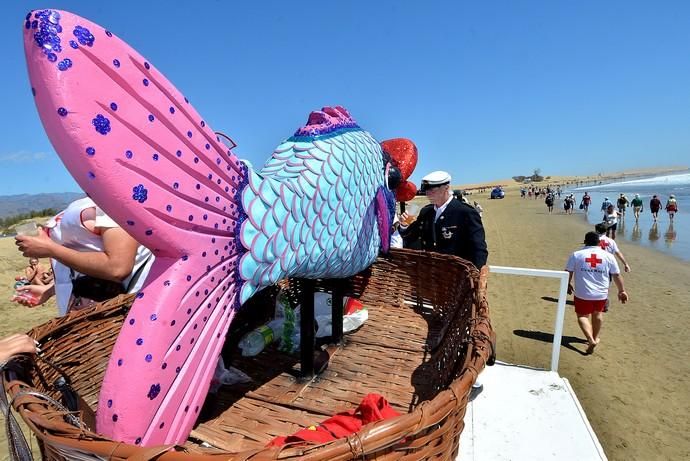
661,181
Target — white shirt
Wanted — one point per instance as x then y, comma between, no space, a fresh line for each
68,230
608,244
396,238
442,208
611,219
591,268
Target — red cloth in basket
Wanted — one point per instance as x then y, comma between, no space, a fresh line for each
374,407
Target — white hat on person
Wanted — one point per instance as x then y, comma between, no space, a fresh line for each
435,179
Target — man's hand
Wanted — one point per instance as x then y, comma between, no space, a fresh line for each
570,288
406,219
623,296
40,246
627,267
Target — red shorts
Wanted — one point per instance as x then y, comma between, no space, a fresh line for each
587,307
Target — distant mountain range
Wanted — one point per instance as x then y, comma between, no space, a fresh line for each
11,205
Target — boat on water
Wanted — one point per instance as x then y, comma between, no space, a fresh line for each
427,338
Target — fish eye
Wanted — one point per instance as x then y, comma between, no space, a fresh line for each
394,177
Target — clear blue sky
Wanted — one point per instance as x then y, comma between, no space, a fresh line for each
487,90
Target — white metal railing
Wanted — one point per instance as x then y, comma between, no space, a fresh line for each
560,313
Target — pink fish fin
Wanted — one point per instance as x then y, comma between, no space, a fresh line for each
138,148
161,366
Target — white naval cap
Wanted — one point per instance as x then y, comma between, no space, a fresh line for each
435,179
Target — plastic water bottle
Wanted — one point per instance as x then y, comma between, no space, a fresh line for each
256,340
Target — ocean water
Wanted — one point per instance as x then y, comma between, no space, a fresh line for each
671,238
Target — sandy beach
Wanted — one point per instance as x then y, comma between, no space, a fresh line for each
634,388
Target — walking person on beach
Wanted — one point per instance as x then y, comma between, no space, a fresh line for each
586,200
636,204
592,268
605,204
610,245
655,206
622,204
571,203
611,220
549,202
671,206
479,208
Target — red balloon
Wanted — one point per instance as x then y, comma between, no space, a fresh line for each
405,191
403,152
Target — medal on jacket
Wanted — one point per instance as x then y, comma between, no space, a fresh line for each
446,233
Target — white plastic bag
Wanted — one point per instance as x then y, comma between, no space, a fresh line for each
227,376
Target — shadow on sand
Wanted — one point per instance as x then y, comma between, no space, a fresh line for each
566,341
555,300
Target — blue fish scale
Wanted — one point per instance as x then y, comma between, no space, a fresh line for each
311,210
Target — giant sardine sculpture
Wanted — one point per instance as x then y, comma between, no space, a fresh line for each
321,207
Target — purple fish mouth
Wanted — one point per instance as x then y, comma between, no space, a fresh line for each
385,207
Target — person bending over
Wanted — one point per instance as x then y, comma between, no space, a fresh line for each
93,258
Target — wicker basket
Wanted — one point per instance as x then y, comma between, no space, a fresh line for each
427,338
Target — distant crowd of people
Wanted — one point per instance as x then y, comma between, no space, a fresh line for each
611,213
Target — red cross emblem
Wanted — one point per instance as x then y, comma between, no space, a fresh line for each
593,260
603,244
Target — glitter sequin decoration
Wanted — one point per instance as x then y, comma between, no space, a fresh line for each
84,36
102,124
46,37
65,64
139,193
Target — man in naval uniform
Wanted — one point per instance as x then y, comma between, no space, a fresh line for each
447,225
450,226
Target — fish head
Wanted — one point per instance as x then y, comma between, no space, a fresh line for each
400,158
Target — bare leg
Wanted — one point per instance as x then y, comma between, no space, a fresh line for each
597,322
586,328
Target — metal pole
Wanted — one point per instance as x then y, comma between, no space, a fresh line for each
307,329
560,317
562,296
337,311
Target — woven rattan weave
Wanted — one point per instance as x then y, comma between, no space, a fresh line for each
427,337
